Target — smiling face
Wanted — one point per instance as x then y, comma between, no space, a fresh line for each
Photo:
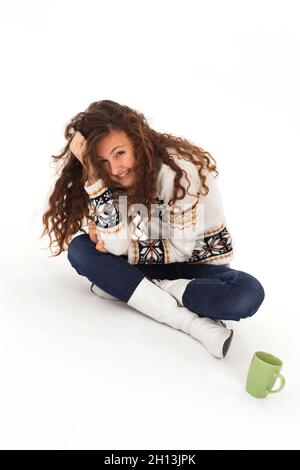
115,151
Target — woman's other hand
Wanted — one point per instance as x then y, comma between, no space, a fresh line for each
94,237
93,231
100,246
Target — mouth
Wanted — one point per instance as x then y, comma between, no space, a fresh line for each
124,175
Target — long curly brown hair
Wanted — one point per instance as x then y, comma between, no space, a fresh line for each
68,205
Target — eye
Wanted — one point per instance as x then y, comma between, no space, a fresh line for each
118,153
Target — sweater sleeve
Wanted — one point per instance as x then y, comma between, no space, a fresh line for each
110,223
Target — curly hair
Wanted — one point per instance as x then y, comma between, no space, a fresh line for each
68,205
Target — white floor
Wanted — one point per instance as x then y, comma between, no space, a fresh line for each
79,372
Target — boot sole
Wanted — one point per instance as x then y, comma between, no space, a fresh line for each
227,344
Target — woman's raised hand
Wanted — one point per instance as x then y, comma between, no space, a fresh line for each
77,145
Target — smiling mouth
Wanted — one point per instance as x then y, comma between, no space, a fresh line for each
123,175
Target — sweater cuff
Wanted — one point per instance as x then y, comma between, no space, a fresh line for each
95,189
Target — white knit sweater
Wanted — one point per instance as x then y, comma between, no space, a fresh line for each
194,232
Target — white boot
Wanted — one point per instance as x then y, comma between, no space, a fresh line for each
101,293
154,302
176,288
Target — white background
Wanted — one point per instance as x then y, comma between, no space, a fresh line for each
79,372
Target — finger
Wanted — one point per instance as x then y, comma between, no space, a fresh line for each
100,246
78,137
103,250
93,236
94,239
78,144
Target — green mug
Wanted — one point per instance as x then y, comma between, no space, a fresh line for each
263,373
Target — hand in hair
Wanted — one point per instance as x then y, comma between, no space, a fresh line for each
77,145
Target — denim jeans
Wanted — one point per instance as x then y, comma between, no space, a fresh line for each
216,291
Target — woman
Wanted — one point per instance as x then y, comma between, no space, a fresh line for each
158,238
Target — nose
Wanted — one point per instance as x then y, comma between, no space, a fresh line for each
115,170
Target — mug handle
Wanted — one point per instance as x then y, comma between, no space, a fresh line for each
282,384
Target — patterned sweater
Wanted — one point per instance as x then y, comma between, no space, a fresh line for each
192,230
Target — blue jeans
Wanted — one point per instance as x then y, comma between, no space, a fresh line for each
218,292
